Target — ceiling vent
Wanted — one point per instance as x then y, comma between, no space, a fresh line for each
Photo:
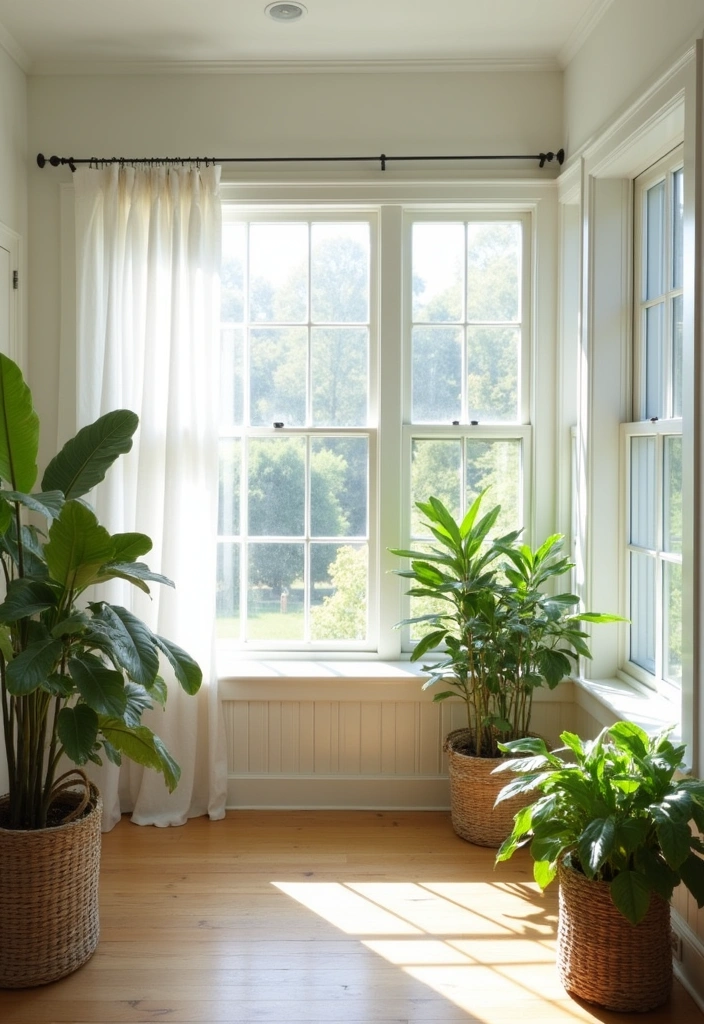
286,11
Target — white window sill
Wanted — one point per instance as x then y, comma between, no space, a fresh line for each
651,711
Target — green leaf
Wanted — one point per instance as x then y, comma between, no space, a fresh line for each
101,688
132,642
631,895
544,872
574,743
6,648
19,429
428,642
48,503
439,697
134,572
661,878
673,837
141,745
29,669
138,701
78,547
76,623
630,737
85,459
596,844
26,597
158,691
78,731
129,546
186,669
692,873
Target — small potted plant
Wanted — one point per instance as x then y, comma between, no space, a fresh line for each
76,675
500,636
613,824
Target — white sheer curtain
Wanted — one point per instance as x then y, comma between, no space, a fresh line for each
148,254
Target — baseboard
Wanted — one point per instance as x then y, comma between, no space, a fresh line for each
690,968
338,792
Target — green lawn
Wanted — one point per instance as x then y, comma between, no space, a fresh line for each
263,626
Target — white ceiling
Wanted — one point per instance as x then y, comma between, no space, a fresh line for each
60,35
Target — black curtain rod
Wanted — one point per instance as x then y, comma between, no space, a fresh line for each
383,159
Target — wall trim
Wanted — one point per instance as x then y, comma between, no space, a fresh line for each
690,969
586,25
335,792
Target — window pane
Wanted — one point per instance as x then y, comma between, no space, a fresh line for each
677,314
643,611
492,374
677,228
672,493
338,598
231,378
496,465
339,371
494,272
643,510
655,241
278,272
275,596
338,487
438,272
672,621
277,487
228,591
436,471
340,273
234,258
653,361
437,374
229,487
277,376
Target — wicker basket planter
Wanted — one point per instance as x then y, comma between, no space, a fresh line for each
603,958
49,898
473,792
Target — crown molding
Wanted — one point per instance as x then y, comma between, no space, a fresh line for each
293,67
13,49
584,28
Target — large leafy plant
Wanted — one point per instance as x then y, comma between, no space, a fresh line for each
75,676
612,809
500,634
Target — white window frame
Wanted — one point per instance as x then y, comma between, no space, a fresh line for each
536,202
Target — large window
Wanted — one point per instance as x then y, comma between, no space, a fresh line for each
653,441
308,400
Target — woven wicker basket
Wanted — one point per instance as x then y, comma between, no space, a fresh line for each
473,792
49,899
604,959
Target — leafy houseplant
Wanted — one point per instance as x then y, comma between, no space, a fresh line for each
615,825
76,675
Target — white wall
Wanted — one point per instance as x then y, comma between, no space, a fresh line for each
634,41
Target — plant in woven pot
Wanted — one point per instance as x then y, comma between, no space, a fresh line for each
614,825
500,637
76,676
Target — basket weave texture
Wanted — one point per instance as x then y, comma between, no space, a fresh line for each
49,922
603,958
473,792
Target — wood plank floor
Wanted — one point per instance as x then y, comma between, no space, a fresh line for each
357,917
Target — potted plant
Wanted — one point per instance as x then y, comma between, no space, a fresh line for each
501,637
614,826
76,675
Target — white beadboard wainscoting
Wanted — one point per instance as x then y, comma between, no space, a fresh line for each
341,739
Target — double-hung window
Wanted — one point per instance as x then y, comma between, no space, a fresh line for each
653,441
328,365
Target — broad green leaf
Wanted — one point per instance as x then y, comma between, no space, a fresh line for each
134,572
85,459
47,503
158,691
132,642
438,698
138,701
29,669
73,624
673,837
573,742
59,686
186,669
429,641
78,731
128,546
6,513
141,745
6,648
78,547
26,597
596,844
101,688
544,872
631,895
661,878
692,872
19,429
630,737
